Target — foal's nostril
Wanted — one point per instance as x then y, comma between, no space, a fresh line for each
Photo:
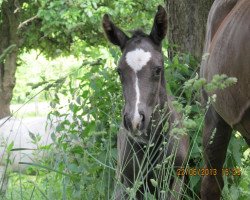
142,123
142,117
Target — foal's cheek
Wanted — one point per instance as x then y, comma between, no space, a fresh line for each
152,95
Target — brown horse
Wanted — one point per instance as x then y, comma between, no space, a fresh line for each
228,47
143,142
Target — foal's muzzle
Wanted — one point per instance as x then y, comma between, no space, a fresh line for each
134,125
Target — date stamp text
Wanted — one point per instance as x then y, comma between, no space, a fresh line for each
208,172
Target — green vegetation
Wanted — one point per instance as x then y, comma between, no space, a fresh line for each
86,87
35,70
82,165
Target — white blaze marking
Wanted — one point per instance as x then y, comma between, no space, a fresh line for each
136,113
137,59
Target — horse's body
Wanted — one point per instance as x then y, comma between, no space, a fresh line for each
143,143
228,47
19,133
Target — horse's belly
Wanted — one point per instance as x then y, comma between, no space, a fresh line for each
17,133
229,53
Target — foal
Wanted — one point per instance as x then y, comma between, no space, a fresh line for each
146,138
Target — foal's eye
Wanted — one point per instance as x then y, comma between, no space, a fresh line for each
158,70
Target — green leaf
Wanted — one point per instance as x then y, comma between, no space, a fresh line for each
154,182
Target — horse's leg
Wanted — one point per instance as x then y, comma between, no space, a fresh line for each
129,160
216,136
3,181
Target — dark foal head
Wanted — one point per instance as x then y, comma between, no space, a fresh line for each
141,71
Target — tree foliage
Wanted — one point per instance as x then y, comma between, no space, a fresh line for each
58,27
69,26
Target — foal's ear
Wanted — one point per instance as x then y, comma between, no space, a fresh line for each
113,33
159,29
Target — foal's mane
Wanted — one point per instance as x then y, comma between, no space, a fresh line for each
138,33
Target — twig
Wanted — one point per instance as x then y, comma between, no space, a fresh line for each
7,51
27,21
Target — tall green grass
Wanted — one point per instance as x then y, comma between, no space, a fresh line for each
82,161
